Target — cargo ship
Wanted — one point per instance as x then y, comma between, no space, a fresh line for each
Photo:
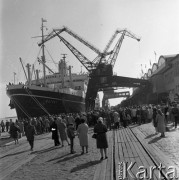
56,93
64,92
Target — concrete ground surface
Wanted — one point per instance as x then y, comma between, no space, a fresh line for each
47,162
169,145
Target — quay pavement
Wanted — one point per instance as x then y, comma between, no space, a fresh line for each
46,162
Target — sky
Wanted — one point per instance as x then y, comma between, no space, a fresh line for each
154,21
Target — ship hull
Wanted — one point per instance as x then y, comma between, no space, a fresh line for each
30,102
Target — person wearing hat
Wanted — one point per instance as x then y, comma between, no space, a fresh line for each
101,141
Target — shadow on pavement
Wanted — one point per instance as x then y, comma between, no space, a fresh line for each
85,165
40,138
58,157
45,150
14,154
149,136
154,140
4,141
68,158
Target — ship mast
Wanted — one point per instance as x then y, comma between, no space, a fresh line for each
63,69
43,52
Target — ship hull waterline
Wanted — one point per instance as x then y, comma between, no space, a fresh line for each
35,103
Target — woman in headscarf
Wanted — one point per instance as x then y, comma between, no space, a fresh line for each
100,129
160,118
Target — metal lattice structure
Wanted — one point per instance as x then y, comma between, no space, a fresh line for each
100,68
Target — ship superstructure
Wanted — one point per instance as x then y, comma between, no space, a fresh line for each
64,92
58,92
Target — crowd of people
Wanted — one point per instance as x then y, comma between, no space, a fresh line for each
64,127
159,115
5,126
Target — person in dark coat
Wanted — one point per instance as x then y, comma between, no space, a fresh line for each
2,126
124,117
175,112
7,126
29,133
71,135
14,130
101,141
54,130
77,121
139,114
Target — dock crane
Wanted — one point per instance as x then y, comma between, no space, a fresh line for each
115,51
56,32
89,65
101,68
113,57
104,70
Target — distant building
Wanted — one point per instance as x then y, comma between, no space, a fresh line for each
164,79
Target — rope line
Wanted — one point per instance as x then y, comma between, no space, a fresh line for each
18,104
38,103
51,56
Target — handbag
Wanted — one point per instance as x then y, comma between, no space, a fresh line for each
94,136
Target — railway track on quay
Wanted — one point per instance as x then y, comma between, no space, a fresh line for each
131,157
